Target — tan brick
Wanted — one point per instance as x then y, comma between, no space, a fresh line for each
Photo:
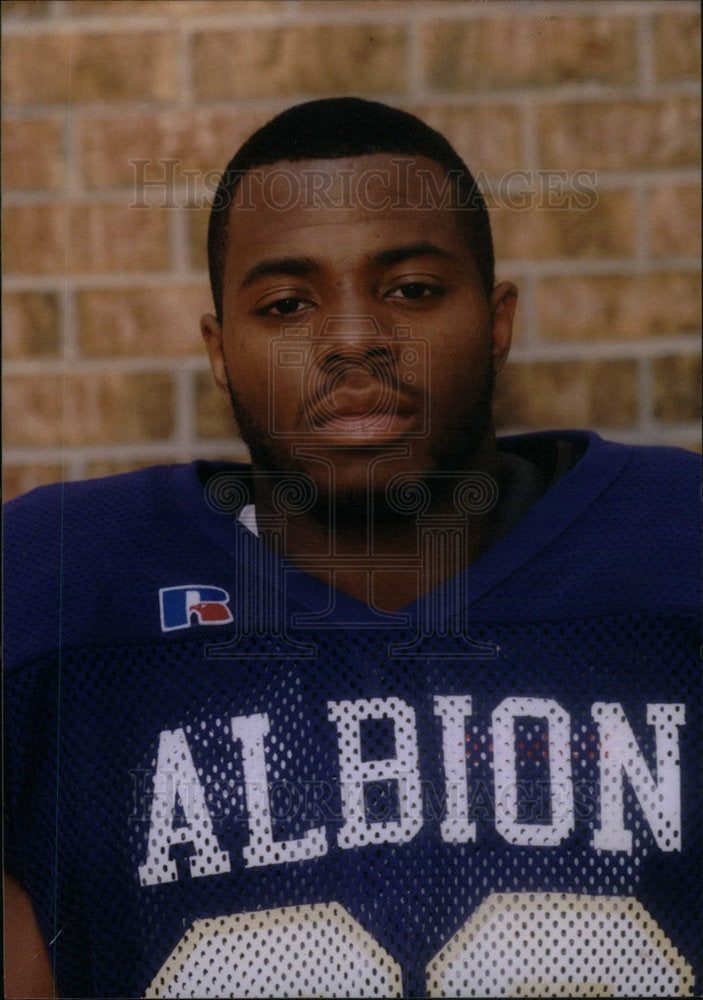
320,59
677,388
19,479
613,393
675,221
677,44
142,321
620,135
197,237
33,154
36,68
612,306
96,408
567,394
30,325
97,238
113,148
24,10
689,445
508,51
91,67
34,239
486,138
175,11
366,6
105,467
605,230
213,415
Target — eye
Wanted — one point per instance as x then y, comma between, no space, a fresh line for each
415,290
284,307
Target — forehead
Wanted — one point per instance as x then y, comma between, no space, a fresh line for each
322,201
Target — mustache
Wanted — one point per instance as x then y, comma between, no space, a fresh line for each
374,371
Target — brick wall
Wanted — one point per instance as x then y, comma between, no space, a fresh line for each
104,369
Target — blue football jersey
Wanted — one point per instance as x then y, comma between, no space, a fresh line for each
225,777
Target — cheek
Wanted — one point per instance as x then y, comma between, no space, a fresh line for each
247,364
459,361
268,389
459,341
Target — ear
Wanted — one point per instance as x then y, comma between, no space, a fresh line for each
212,335
503,302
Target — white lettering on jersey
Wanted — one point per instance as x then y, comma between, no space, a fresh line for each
620,755
176,779
356,773
561,796
262,849
179,812
453,710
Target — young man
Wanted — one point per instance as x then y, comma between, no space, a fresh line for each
399,710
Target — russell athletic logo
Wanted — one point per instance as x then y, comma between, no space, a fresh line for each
195,604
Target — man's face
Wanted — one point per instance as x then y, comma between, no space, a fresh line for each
357,341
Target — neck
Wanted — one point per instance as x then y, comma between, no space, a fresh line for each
390,560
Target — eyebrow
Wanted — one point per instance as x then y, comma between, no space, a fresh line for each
301,266
296,266
397,255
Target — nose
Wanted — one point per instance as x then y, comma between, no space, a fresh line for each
354,350
357,341
361,329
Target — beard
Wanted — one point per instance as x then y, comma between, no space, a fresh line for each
362,502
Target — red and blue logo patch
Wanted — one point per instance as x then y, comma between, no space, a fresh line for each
195,604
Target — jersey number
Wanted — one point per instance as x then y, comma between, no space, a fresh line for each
518,944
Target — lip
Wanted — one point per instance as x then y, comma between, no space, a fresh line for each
368,416
381,428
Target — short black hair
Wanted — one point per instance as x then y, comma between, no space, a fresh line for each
339,127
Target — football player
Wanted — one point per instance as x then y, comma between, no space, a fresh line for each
400,708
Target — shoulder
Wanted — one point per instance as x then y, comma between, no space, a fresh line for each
92,514
610,469
58,541
76,553
619,529
644,526
635,489
669,467
113,508
647,485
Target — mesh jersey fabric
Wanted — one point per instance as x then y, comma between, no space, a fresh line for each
225,778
